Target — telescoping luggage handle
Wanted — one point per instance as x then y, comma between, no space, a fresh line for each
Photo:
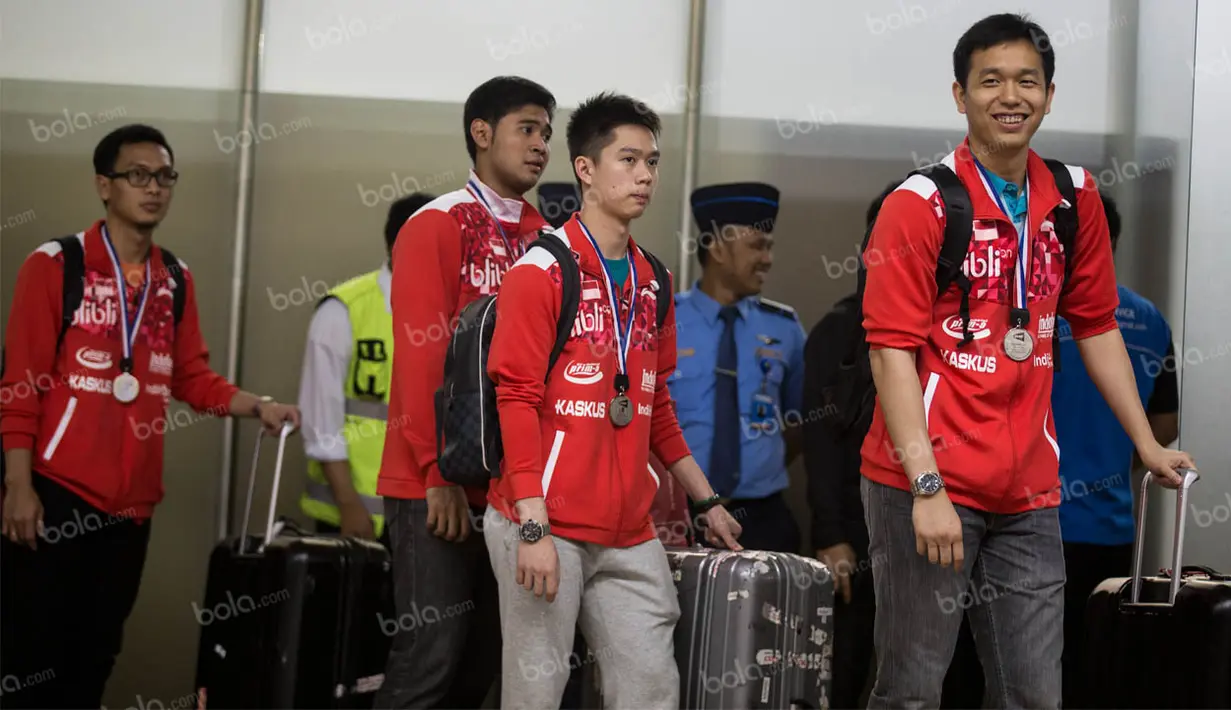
1188,478
287,428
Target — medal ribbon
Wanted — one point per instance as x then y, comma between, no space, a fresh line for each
478,193
624,336
1024,242
128,328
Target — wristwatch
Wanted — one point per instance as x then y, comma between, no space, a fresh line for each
256,408
532,531
926,484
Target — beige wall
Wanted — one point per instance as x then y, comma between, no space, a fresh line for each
311,229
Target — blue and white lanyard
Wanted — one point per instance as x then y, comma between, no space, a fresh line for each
1023,241
504,237
128,329
624,336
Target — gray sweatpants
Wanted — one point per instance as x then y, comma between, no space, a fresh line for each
625,603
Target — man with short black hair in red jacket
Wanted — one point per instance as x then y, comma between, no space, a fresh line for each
568,529
455,249
83,428
963,438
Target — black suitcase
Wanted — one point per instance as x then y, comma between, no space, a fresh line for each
1164,641
293,620
755,630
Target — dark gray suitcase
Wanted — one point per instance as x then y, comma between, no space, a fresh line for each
755,630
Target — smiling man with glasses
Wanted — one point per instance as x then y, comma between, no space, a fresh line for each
102,334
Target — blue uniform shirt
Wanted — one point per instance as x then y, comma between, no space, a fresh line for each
1096,495
770,345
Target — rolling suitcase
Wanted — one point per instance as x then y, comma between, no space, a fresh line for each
293,620
755,630
1163,641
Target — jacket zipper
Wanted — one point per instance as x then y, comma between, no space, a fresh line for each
1026,366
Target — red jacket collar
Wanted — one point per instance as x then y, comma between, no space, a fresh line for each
97,258
1044,195
588,259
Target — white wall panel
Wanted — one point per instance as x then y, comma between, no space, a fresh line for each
439,50
193,44
1206,370
889,62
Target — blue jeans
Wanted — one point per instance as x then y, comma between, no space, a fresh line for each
1011,587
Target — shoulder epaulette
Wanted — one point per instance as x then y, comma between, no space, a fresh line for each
781,309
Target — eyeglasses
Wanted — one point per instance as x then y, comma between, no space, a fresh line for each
140,177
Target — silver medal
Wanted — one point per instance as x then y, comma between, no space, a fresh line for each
125,387
1018,344
621,410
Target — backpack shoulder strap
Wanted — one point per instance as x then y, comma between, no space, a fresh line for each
176,272
1065,219
959,218
663,277
74,282
1066,232
570,290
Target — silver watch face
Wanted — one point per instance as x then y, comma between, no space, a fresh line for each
928,483
531,531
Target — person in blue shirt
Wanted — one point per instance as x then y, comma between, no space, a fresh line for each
738,382
1096,459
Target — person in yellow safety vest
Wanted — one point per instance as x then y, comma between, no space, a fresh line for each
344,395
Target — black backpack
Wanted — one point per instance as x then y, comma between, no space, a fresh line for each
849,393
468,444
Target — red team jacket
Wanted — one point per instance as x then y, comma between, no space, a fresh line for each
60,405
447,254
559,442
989,417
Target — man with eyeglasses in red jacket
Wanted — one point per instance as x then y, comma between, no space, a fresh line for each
82,422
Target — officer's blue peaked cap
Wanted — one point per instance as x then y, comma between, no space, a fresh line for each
751,204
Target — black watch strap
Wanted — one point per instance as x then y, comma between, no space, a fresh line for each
703,505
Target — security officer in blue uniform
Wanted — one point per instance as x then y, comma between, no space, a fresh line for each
738,383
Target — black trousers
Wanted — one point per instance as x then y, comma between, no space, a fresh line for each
767,523
853,640
1086,567
447,650
63,605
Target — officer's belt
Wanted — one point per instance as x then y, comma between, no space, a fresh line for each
368,409
321,492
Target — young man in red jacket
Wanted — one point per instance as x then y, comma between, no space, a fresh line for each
82,424
963,438
569,530
452,251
